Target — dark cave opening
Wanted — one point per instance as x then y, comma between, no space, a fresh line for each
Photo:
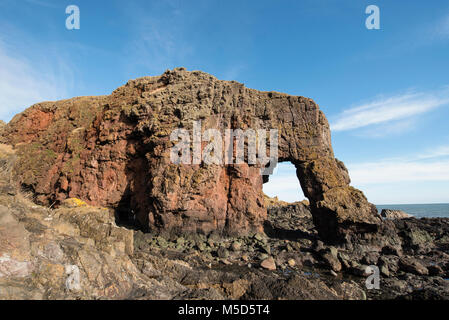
125,214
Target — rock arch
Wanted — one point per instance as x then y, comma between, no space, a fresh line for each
102,149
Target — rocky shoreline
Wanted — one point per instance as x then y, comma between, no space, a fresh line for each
92,207
77,251
412,256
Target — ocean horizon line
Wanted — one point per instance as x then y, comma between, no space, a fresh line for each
408,204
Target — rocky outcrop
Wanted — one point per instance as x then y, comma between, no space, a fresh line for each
114,151
76,251
394,214
411,255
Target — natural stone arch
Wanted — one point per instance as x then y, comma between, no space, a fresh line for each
102,149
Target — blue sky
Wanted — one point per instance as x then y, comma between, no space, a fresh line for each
385,92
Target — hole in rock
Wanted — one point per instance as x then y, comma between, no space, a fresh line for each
125,215
290,222
284,184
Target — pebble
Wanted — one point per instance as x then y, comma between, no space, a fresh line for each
266,249
291,262
211,243
201,246
236,246
258,237
222,253
268,264
225,262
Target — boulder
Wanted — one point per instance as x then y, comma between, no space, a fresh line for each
394,214
412,265
330,259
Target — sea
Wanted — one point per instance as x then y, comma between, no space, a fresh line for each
435,210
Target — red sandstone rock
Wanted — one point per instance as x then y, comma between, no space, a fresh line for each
268,264
115,151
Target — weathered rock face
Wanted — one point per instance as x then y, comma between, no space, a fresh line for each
115,151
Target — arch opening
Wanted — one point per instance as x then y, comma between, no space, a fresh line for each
284,183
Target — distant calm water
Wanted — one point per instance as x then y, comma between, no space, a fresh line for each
437,210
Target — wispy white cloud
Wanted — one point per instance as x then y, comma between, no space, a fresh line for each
441,151
159,36
157,49
388,128
430,166
388,109
25,80
397,171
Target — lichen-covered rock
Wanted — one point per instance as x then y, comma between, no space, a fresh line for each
114,151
